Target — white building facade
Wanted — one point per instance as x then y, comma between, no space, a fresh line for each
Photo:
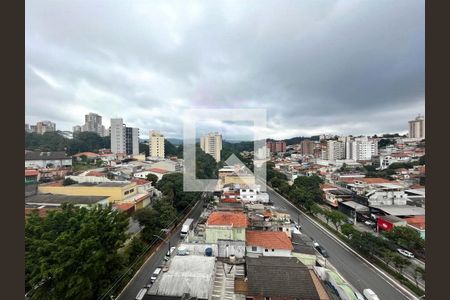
211,144
156,144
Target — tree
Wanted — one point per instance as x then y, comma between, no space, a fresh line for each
315,209
418,272
69,181
422,160
153,219
337,218
152,177
406,237
348,230
400,262
327,214
135,248
143,148
388,256
73,253
171,185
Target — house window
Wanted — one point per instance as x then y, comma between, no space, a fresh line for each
266,250
267,298
254,248
273,250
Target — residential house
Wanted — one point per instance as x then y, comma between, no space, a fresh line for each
226,225
39,160
280,278
267,243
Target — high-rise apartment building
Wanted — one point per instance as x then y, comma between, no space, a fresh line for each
307,147
44,126
417,127
124,139
132,140
76,129
92,123
335,150
156,144
211,143
118,132
363,149
276,146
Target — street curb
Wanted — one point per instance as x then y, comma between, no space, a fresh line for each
331,235
155,251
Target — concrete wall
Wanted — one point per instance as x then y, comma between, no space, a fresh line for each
115,193
214,233
44,163
270,252
229,247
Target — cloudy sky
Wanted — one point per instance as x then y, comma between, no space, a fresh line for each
345,67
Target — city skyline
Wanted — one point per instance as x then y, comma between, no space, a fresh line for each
314,66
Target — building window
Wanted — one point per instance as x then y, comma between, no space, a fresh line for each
254,248
273,250
267,298
266,250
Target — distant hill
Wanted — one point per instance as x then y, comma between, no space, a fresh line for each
175,141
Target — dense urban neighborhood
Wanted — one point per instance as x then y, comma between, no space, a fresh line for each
337,217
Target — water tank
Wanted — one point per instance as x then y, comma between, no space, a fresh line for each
208,251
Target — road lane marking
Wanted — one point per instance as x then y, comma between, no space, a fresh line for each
399,287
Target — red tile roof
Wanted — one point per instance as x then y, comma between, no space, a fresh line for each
140,181
235,219
96,174
417,221
229,200
158,170
87,154
327,186
31,172
366,180
124,206
268,239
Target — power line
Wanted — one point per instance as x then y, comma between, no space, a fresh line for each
144,252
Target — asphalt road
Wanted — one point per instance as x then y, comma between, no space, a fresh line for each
142,277
357,272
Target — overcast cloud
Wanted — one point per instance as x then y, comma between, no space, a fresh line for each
346,67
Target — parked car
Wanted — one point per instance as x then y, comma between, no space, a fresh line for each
321,250
155,274
405,253
370,295
141,294
169,253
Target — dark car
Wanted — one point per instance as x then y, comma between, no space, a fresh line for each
322,251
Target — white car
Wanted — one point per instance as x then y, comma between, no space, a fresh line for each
369,223
169,253
370,295
405,253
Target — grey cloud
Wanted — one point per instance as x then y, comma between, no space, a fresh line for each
352,66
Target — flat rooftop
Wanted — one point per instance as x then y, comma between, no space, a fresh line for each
191,274
401,210
104,184
355,205
59,199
